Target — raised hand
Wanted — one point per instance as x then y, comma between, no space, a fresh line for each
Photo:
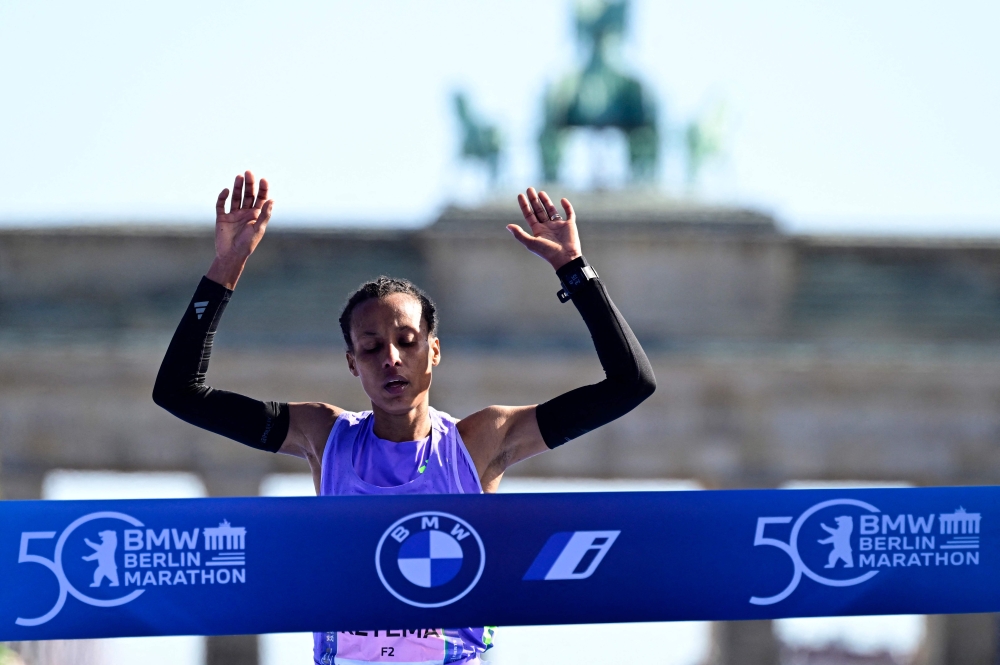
238,231
553,238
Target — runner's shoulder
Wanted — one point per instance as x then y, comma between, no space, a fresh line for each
488,428
309,427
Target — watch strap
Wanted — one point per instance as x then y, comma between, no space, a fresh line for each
573,276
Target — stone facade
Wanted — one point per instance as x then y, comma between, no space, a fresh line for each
777,357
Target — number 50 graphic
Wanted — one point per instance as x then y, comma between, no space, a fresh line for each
55,565
791,548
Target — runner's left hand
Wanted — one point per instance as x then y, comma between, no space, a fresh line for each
553,237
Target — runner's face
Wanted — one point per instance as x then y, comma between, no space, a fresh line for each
393,354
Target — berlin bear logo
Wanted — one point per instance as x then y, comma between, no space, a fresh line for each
105,555
840,538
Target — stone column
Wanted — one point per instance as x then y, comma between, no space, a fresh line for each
743,643
746,642
960,639
238,482
56,652
232,649
20,484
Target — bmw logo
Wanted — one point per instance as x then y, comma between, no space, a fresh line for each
430,559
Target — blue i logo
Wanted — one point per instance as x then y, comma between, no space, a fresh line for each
430,559
571,555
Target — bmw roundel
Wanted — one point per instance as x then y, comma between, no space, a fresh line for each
430,559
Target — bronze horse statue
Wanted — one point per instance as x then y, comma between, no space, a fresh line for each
601,96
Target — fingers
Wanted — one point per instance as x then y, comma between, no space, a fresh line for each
234,204
526,209
265,215
550,207
261,194
536,206
220,203
243,195
260,224
522,237
248,191
568,207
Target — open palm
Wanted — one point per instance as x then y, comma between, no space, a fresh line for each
553,238
238,231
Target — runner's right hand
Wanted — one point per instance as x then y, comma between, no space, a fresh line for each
238,231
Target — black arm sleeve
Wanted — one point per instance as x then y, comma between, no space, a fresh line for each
629,376
180,385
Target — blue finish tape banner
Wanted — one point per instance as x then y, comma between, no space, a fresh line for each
85,569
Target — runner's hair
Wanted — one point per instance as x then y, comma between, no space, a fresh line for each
380,288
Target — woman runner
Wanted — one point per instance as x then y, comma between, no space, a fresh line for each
403,445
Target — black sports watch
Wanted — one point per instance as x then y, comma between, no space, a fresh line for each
573,276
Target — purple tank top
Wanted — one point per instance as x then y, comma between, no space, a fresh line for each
356,462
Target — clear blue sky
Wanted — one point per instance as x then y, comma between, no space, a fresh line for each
846,115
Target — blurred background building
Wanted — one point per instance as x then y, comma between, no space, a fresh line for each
789,348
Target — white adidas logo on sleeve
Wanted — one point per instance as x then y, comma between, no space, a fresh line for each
199,308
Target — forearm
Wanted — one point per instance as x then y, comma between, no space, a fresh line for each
226,271
180,386
629,375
